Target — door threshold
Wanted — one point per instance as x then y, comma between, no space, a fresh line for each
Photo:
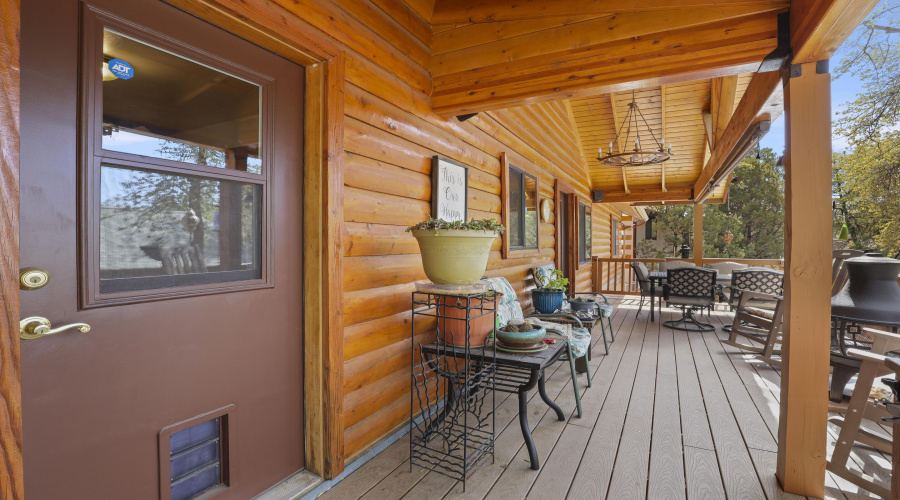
292,488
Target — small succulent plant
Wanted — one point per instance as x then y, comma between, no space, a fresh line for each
524,327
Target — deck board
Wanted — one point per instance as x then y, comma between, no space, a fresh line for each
670,415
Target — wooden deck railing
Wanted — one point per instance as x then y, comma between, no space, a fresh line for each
615,275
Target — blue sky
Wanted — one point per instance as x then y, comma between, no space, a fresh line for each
843,90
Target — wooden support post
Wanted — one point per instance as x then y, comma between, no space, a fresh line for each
698,234
807,292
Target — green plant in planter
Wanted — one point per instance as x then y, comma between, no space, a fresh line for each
472,225
550,298
557,282
455,253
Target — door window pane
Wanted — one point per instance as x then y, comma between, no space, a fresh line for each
161,230
165,106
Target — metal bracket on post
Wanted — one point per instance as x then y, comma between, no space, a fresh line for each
823,67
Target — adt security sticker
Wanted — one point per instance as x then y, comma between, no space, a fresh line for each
121,69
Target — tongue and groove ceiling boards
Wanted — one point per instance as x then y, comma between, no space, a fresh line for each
496,54
686,61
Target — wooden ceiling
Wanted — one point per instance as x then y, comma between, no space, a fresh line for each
672,112
688,64
496,54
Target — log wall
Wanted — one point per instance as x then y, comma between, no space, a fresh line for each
390,136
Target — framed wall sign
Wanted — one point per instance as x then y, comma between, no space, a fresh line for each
449,189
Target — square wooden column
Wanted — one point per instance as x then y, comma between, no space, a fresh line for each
807,292
698,234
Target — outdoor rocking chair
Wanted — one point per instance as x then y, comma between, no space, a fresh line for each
509,309
691,289
758,325
864,405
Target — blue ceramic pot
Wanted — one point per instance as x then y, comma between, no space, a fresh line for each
521,339
547,301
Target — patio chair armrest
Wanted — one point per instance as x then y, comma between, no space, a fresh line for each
558,316
883,334
747,295
866,356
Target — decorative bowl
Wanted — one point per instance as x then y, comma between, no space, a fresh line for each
521,339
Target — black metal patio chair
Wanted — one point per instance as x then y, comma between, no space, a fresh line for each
691,289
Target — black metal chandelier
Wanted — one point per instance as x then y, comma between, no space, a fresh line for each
637,157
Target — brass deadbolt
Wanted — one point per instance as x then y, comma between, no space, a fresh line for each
33,278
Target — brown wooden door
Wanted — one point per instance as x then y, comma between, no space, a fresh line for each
164,198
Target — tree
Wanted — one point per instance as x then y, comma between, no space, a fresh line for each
675,227
755,209
872,54
866,180
867,188
754,214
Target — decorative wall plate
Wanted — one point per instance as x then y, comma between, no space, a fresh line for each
546,209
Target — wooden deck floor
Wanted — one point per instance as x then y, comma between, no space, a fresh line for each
671,415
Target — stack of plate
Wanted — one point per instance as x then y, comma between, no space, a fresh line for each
521,349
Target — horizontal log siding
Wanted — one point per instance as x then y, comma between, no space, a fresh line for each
388,144
390,135
387,187
600,234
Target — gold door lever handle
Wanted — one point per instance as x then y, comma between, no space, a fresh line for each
36,327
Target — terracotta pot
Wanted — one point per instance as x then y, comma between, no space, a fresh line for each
453,331
454,256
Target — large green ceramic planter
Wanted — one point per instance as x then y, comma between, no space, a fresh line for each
454,256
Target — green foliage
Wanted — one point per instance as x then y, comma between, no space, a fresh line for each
754,215
866,185
675,227
557,282
754,212
872,54
472,225
866,178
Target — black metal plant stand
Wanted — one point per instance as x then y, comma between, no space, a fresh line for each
452,404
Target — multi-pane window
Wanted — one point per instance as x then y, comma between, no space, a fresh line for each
177,171
584,233
523,216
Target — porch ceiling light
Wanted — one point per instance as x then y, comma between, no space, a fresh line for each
636,157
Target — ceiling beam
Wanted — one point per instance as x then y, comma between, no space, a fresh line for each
487,11
619,148
648,195
762,90
819,27
721,103
662,115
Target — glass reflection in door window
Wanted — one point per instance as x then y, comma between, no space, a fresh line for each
160,230
165,106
